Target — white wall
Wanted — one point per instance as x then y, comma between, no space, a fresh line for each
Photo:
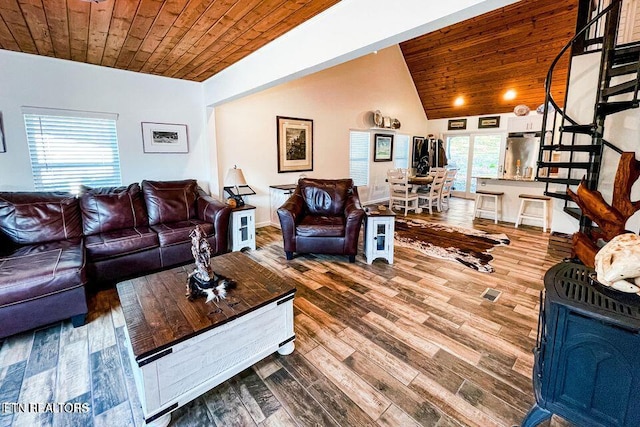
337,100
36,81
341,33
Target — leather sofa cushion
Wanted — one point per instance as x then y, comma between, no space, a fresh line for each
325,196
178,232
112,208
34,271
321,226
120,242
38,217
170,201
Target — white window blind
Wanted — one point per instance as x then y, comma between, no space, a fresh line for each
401,151
68,151
359,143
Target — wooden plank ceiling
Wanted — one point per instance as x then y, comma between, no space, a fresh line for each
185,39
481,58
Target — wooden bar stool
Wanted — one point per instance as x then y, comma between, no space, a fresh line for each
497,203
533,199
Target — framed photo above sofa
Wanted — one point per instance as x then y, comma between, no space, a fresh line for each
383,148
164,138
295,144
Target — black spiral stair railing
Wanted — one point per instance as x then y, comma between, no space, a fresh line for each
562,133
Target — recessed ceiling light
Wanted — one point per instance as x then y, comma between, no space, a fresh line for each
459,101
509,95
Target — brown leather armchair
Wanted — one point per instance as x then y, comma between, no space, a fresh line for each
322,216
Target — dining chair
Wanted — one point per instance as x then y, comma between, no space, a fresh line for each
436,171
428,200
400,194
447,186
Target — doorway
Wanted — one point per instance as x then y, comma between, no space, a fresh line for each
474,155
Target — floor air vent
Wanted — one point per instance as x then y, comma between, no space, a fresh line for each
491,294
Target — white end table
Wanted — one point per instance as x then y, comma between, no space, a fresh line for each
378,234
242,228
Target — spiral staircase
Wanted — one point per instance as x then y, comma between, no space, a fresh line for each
580,156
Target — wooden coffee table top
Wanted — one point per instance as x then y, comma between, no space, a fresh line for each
158,314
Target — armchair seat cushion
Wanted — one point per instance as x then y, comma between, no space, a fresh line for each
120,242
321,226
178,232
34,271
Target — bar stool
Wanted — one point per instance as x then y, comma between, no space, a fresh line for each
497,203
532,199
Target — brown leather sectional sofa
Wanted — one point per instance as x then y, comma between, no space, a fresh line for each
53,244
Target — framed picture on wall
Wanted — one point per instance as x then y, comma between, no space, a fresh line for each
383,148
164,138
3,147
457,124
295,144
489,122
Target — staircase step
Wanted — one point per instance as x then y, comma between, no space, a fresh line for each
584,129
557,195
621,88
566,181
566,165
574,212
575,148
623,69
626,54
607,108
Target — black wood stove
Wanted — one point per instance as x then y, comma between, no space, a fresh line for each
587,355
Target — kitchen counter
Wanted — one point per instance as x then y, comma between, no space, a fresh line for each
512,188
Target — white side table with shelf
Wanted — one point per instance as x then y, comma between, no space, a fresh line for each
378,234
242,228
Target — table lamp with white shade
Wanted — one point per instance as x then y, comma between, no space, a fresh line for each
236,186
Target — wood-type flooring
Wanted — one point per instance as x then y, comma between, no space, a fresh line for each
407,344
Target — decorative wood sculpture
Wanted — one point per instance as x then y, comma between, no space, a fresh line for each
611,218
203,281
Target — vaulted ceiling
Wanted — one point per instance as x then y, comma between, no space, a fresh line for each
481,58
186,39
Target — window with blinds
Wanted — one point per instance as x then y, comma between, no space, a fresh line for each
401,151
359,148
70,150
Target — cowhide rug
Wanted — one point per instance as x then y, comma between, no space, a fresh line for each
467,246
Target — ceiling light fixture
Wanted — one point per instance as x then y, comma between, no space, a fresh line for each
459,101
509,95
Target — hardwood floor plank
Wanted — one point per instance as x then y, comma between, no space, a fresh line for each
336,346
365,396
226,408
77,418
280,418
44,353
394,416
400,370
107,380
488,403
10,384
297,401
16,348
74,377
119,415
37,388
399,394
193,414
99,321
132,392
255,395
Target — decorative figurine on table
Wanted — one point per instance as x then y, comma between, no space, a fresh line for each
203,281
